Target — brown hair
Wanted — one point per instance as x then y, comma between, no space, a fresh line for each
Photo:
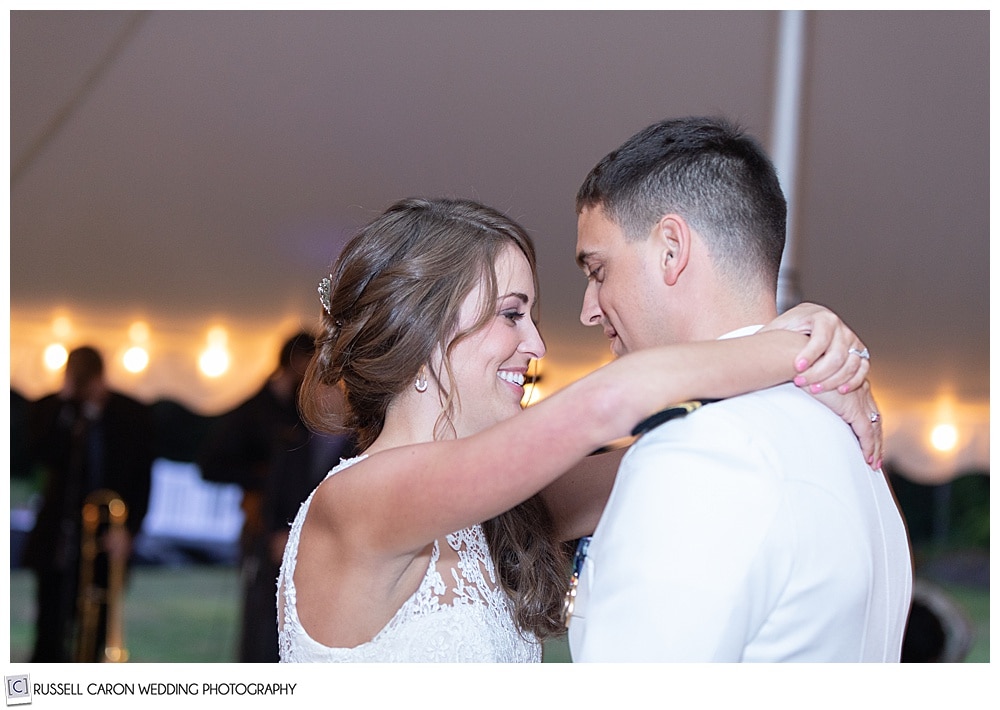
396,293
710,171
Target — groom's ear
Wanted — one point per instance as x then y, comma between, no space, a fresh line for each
671,241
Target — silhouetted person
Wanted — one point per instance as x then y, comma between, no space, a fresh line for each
263,446
84,438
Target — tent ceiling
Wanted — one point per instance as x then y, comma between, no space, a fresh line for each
190,164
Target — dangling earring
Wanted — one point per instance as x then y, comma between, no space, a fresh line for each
421,383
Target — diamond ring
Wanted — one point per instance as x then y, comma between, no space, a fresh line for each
863,354
874,417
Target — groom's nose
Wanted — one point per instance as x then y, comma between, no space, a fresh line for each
590,313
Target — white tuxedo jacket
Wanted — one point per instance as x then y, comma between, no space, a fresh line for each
750,530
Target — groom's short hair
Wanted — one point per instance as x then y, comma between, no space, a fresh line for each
710,172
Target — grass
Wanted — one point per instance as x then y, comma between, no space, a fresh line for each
976,604
180,614
172,615
190,614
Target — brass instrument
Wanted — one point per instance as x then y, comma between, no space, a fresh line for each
103,510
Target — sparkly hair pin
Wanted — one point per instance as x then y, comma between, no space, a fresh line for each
325,284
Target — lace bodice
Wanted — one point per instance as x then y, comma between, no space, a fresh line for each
458,614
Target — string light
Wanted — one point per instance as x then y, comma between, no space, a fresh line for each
214,360
944,437
135,359
168,366
55,356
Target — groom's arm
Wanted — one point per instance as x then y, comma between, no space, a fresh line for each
577,498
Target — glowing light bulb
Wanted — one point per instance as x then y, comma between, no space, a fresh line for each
214,360
944,437
135,359
55,356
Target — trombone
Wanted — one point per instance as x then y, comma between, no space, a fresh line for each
103,510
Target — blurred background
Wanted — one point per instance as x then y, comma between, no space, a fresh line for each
180,181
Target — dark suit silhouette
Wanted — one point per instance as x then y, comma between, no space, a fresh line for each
79,455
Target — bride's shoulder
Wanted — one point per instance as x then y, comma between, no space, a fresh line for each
342,489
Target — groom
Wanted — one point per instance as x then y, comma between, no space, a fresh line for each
752,529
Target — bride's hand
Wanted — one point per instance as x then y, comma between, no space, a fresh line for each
834,358
831,368
859,410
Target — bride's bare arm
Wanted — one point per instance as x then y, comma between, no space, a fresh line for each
401,499
825,368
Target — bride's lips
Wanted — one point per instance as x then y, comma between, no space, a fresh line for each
513,377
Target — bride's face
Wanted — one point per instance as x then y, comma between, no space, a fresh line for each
489,366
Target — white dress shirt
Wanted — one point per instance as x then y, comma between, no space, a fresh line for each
750,530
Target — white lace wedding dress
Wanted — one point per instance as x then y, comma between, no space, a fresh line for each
464,619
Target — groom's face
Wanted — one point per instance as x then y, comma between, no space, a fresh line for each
623,283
